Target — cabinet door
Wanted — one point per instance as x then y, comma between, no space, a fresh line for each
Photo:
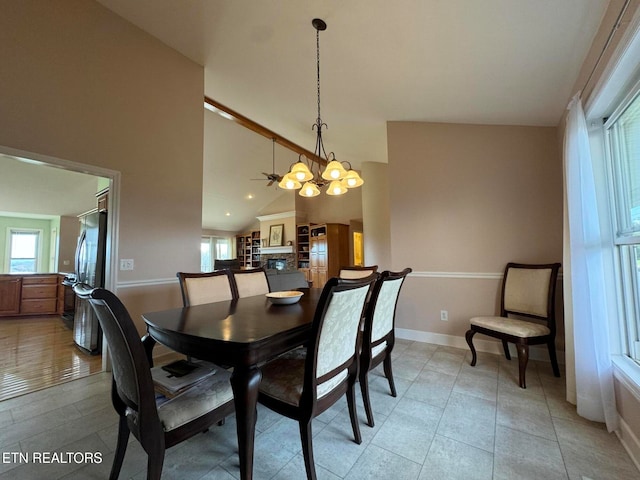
10,289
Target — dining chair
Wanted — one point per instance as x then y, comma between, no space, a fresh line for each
301,387
199,288
356,272
250,282
527,291
157,426
379,333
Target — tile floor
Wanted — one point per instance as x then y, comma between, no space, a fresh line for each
449,421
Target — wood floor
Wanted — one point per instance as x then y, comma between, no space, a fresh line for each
38,352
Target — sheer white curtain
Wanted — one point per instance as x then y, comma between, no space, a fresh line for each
593,368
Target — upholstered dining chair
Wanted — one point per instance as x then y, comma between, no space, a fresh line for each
356,272
379,333
303,386
199,288
250,282
156,426
527,291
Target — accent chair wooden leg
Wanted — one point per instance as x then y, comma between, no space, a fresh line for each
364,388
388,372
554,359
121,448
523,359
469,336
307,448
505,347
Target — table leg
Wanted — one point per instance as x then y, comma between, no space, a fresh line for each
245,382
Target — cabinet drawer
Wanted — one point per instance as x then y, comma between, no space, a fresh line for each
38,306
39,280
39,291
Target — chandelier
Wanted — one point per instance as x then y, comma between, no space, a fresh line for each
339,177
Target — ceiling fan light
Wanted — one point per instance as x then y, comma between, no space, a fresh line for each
301,172
352,179
289,182
334,171
309,189
336,188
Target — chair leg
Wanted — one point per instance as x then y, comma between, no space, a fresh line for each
121,448
351,401
154,466
505,347
364,388
307,448
523,359
554,359
388,372
469,336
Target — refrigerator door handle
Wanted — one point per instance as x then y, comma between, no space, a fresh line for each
80,252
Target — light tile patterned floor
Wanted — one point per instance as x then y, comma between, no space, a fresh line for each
449,421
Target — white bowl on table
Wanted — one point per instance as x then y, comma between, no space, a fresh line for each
284,298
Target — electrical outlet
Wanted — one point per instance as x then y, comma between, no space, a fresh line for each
126,264
444,315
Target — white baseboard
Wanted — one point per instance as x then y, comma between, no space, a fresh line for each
538,353
629,441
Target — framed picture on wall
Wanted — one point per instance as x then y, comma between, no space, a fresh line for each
276,235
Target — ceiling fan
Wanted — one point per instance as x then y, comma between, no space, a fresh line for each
273,176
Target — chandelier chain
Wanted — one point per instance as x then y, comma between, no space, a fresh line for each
318,70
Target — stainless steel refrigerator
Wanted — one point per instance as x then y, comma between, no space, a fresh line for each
90,267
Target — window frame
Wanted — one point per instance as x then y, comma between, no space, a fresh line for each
9,247
624,241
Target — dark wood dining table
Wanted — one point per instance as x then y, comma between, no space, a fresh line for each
242,334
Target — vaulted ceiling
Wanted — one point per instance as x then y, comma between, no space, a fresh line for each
463,61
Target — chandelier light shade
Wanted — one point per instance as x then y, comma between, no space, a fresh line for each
301,172
338,178
289,182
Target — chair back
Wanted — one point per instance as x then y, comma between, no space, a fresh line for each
332,354
251,282
529,290
129,363
380,317
357,272
199,288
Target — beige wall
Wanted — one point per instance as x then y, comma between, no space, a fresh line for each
464,201
81,84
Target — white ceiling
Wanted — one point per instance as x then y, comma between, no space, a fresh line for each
30,189
465,61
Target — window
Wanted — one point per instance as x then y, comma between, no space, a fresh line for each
623,138
211,249
24,250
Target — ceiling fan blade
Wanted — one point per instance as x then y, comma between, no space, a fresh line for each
270,183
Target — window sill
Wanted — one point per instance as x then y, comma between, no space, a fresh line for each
628,373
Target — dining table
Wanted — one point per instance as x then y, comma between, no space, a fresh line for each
244,334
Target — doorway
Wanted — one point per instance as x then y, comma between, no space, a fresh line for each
39,350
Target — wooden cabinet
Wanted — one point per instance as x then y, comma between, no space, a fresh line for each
328,251
10,288
31,294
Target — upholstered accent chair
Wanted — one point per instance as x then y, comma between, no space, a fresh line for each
527,291
379,333
303,386
156,426
250,282
356,272
199,288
